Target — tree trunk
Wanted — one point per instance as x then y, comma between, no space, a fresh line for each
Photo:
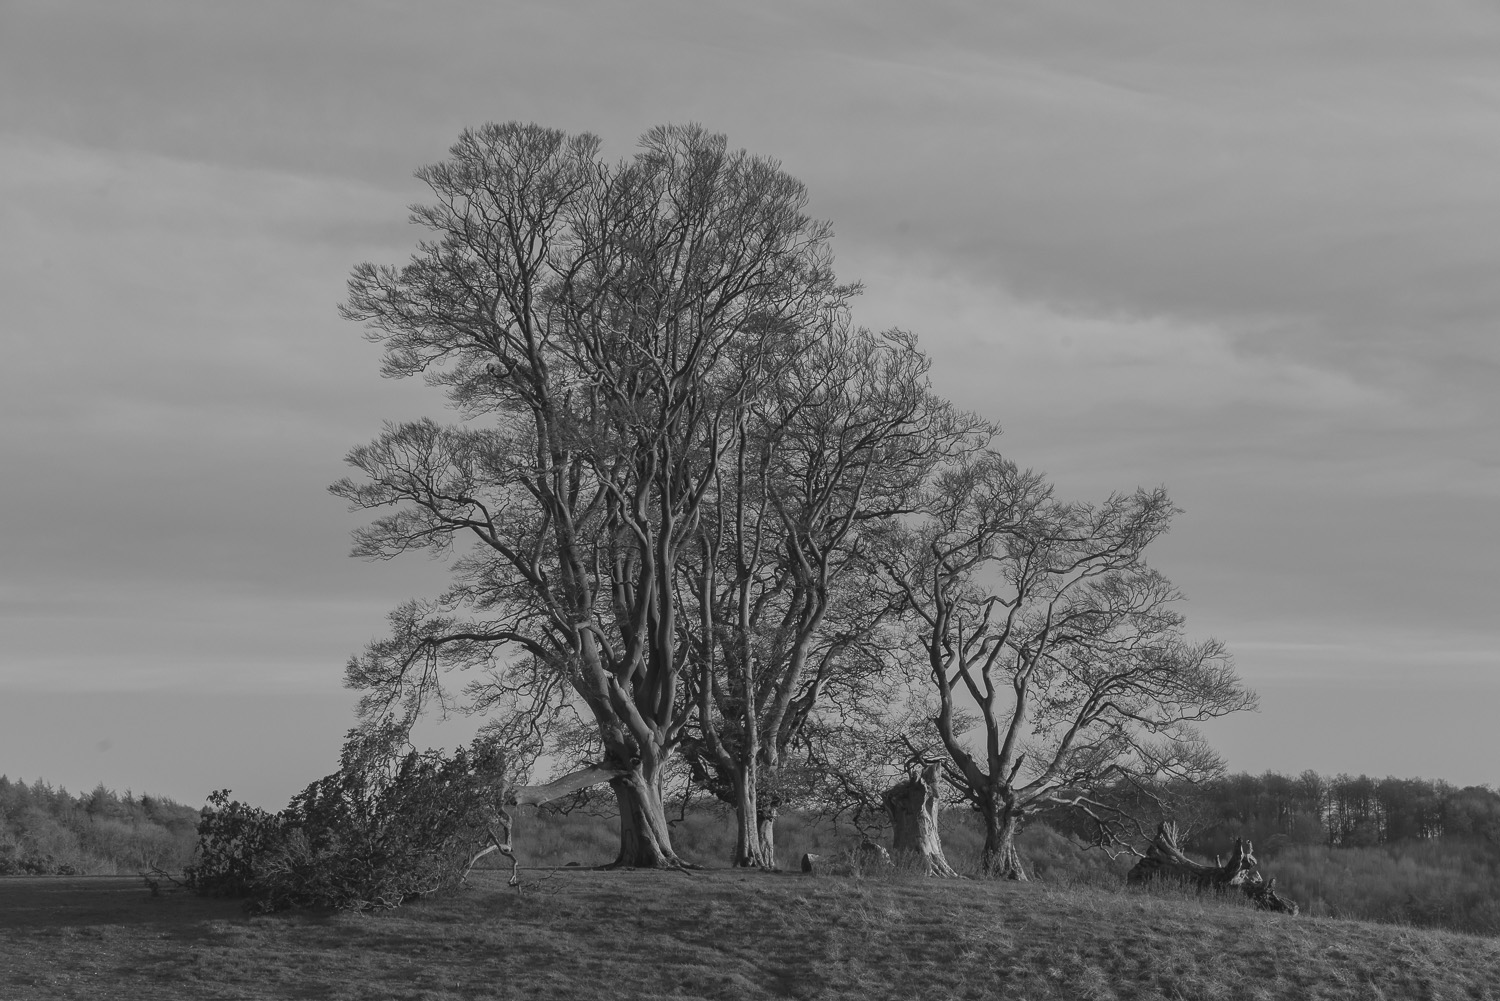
913,807
999,857
645,838
748,852
765,823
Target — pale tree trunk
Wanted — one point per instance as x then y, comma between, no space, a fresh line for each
645,838
999,857
590,775
765,824
748,848
913,807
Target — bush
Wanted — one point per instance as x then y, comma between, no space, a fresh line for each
234,842
360,838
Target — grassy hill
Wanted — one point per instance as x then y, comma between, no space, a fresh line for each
577,934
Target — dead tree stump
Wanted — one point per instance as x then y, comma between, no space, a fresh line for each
1267,899
1164,860
913,807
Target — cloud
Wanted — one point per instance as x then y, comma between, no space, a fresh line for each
178,393
1326,168
1244,249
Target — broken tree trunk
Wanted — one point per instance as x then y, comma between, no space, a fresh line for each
1164,860
565,786
1266,898
913,807
765,829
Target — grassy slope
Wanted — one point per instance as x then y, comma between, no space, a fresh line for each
720,934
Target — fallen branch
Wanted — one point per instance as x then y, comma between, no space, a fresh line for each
591,775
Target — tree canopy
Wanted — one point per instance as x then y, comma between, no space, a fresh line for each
696,515
1044,617
605,329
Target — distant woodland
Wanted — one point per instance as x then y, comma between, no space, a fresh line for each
1410,851
51,831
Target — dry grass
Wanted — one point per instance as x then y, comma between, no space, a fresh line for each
717,934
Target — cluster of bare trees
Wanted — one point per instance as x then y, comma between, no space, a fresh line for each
698,520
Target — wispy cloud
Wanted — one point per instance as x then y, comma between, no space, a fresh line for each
1244,249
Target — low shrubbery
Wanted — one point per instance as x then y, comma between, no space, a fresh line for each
366,836
1447,883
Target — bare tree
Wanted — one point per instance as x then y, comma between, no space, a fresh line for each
1043,618
603,329
786,619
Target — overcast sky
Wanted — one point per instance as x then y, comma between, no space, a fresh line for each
1247,250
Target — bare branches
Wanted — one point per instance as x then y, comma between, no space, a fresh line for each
783,611
605,330
1045,616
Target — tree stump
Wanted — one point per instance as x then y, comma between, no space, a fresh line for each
913,807
1267,899
1164,860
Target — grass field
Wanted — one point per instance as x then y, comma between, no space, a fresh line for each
580,934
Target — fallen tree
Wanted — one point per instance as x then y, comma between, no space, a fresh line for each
383,829
1164,860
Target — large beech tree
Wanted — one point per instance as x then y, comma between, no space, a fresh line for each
604,329
786,623
1041,623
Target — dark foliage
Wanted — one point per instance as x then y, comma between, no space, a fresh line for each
234,840
364,837
1344,811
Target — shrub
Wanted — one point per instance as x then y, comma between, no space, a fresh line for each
234,840
361,838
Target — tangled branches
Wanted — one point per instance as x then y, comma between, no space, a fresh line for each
371,835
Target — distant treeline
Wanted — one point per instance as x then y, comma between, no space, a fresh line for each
45,830
1410,851
49,830
1341,812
